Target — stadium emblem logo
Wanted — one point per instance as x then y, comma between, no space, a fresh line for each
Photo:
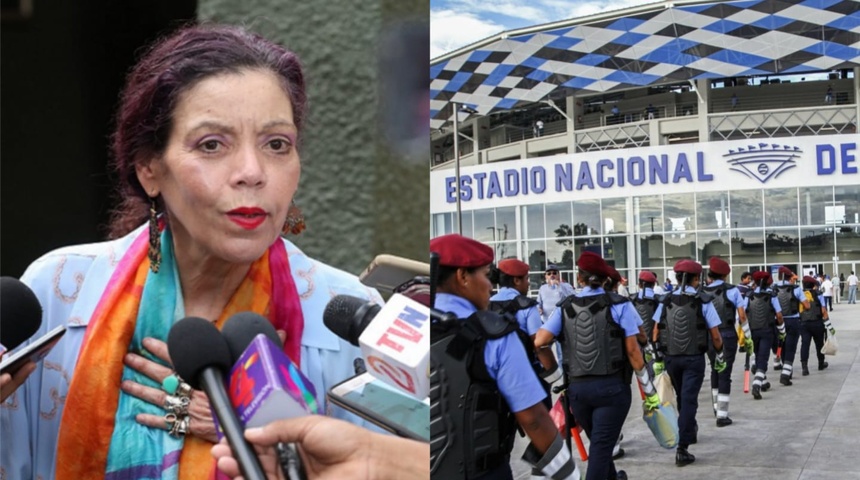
763,161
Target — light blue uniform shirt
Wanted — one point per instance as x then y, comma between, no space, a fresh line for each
624,315
712,319
733,294
798,294
528,318
550,295
505,358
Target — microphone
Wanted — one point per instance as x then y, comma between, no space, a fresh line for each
201,355
394,339
20,313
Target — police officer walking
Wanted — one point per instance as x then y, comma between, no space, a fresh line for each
685,319
481,379
599,346
790,298
645,302
813,322
728,302
763,312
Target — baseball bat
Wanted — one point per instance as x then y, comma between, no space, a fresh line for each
747,374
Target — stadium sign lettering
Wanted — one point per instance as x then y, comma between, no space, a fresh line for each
662,169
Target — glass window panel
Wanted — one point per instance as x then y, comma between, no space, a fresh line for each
712,244
615,252
505,250
467,224
745,208
535,252
648,212
780,207
849,199
442,224
712,210
782,246
535,281
848,245
560,252
650,251
557,217
533,221
678,246
615,215
678,211
506,224
485,227
747,246
816,205
591,244
816,244
586,217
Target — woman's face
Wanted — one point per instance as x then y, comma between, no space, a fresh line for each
230,168
476,286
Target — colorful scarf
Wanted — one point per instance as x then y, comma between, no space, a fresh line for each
98,432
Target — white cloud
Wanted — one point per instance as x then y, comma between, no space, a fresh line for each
450,30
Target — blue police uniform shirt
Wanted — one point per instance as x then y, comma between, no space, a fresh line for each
528,318
623,314
712,319
733,294
798,294
773,301
505,358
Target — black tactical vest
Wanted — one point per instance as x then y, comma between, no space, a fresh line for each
471,426
760,312
593,343
512,306
646,307
813,314
682,329
725,308
789,304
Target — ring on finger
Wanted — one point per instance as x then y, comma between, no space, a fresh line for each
177,405
174,385
180,427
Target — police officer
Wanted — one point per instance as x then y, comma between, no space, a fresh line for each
645,302
685,319
481,377
729,303
763,312
790,298
512,276
813,322
599,346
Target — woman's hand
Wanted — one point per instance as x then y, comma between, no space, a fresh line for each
10,382
200,423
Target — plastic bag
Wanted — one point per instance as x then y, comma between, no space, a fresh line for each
663,423
665,390
830,346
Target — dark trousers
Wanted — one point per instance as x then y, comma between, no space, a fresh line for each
687,373
828,302
762,338
723,381
600,406
792,336
774,344
811,331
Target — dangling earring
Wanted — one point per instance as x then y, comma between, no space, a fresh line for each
154,239
295,223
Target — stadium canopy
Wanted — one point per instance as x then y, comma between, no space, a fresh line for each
655,44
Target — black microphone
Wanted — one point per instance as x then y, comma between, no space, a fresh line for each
201,357
349,316
20,313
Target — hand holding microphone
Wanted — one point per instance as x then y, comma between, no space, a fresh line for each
20,318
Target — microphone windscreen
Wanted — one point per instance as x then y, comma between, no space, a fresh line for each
20,312
348,316
195,344
240,329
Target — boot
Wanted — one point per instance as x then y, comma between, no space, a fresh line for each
805,369
724,422
785,380
683,457
756,392
822,365
765,386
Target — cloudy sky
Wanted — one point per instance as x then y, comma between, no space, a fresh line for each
457,23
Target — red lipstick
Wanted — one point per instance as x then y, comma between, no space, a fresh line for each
248,218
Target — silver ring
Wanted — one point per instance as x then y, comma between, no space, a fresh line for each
177,405
180,427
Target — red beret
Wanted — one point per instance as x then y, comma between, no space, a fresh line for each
613,273
719,266
458,251
688,266
646,276
761,275
785,271
808,279
593,263
514,267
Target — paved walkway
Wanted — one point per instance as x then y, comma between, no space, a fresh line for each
808,431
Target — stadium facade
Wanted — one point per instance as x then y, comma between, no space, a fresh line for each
673,130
